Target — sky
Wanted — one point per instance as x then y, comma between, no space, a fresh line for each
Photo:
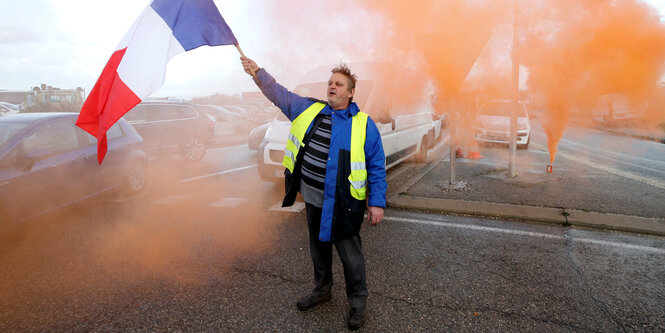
66,43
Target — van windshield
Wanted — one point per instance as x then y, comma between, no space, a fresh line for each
8,130
502,109
319,91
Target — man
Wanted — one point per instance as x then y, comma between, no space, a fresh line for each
335,159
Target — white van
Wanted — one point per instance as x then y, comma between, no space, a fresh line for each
405,127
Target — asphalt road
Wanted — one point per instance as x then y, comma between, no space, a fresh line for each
625,156
202,250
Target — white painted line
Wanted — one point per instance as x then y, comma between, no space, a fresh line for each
608,152
172,200
217,173
228,202
296,208
653,182
641,248
474,227
231,147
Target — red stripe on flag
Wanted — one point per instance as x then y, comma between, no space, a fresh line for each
108,101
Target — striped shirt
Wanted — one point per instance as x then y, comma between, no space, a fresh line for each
314,163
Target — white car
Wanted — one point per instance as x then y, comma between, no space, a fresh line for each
612,109
9,108
405,129
492,123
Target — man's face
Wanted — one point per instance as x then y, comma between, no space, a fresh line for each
338,91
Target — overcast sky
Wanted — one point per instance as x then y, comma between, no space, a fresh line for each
66,43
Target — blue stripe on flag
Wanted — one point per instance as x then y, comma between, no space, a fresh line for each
194,22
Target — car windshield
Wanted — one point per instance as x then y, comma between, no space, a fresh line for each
502,109
319,90
8,130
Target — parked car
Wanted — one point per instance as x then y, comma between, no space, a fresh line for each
230,127
46,163
405,129
173,127
492,124
613,109
6,107
256,136
4,110
236,109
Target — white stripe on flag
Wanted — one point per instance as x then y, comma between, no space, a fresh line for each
150,45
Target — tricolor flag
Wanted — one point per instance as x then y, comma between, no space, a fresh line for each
138,66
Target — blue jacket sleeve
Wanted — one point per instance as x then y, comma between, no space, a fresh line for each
290,104
375,162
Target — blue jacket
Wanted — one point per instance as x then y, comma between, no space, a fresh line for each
339,216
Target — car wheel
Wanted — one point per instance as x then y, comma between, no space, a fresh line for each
135,178
421,156
193,150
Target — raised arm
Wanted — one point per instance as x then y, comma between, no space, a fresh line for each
290,104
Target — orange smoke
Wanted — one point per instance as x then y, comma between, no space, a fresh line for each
580,50
555,123
574,50
448,35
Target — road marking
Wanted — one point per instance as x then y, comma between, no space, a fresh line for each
230,147
608,152
187,180
229,202
296,208
625,174
526,233
172,200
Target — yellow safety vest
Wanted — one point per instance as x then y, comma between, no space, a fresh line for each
299,126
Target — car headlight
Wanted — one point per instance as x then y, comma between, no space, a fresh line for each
268,132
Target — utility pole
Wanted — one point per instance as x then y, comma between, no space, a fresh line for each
452,124
512,170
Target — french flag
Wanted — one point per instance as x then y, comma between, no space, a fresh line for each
138,66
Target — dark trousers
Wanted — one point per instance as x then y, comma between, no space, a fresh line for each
351,255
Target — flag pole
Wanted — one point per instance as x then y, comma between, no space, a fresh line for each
242,54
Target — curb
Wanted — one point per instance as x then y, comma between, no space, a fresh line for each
647,137
644,225
563,216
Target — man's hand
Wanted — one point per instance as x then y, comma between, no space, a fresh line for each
249,66
374,215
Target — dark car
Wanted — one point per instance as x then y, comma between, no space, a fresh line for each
47,162
173,127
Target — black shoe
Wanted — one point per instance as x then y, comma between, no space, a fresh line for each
356,318
311,301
